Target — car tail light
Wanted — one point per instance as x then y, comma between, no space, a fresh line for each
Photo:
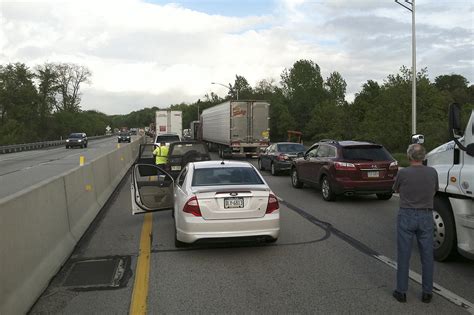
272,204
343,166
393,166
282,157
192,206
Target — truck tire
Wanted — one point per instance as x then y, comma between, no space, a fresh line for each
445,240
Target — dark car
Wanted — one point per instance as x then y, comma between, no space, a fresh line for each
183,152
77,139
124,137
278,156
346,168
167,138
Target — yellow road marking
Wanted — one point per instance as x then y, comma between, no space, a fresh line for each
142,272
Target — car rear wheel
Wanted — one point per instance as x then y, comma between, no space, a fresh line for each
386,196
445,241
273,169
326,190
295,181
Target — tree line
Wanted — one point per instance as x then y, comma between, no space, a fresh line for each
45,103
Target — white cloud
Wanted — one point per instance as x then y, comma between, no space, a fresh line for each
165,54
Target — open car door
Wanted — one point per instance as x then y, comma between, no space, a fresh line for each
145,154
151,189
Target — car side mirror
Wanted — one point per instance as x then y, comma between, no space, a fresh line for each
455,120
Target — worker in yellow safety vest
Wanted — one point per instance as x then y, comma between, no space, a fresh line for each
161,154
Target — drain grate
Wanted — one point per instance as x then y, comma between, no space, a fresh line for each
98,273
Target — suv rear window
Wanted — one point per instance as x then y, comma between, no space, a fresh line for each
181,149
226,176
166,139
366,153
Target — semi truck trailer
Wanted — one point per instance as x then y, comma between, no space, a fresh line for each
169,121
236,128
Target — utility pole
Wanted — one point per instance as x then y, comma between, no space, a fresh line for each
410,6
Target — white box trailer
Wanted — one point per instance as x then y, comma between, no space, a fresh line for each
169,121
236,128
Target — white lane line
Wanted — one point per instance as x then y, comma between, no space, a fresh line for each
443,292
448,295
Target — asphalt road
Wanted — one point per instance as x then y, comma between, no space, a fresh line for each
21,170
323,262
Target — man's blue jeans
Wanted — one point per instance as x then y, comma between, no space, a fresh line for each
419,223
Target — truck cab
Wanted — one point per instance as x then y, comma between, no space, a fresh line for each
454,202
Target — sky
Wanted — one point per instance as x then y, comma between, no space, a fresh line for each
156,53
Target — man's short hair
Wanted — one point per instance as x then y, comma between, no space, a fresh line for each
416,152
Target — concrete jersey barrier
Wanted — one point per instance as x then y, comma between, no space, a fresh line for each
40,226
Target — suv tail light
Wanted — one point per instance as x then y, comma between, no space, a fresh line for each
272,204
192,206
343,166
393,166
282,157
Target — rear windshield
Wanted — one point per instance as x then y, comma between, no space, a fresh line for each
291,147
226,176
124,134
366,153
167,139
181,149
75,135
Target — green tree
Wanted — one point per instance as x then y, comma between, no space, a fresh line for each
303,87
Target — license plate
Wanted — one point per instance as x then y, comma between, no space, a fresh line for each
373,174
237,202
176,168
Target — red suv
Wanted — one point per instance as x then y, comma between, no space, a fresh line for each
346,168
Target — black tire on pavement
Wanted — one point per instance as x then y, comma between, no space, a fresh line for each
445,240
260,165
385,196
295,181
326,190
273,170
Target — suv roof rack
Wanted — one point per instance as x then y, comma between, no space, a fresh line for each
329,141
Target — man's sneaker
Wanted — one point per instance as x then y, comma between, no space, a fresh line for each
400,297
426,297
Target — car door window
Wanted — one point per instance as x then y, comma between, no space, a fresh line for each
182,177
323,151
312,152
331,152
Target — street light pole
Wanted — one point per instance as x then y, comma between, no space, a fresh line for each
228,87
411,8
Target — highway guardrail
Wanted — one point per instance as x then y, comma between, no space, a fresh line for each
38,145
41,225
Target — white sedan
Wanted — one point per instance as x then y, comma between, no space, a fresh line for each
210,200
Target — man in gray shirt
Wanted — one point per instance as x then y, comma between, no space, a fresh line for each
417,185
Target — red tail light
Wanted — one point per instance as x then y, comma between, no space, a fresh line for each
192,206
343,166
393,166
282,157
272,204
